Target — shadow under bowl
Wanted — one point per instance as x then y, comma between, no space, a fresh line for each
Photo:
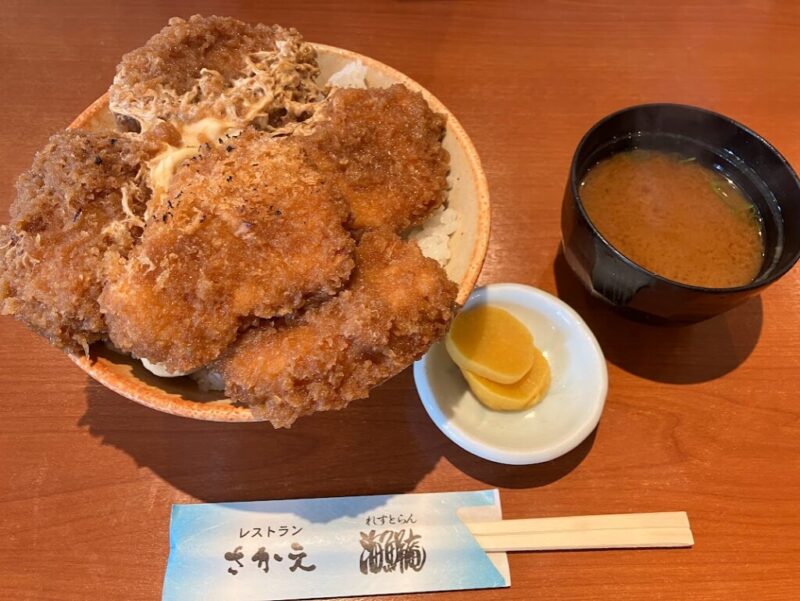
716,141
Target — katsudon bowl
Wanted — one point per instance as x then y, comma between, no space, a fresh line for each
468,195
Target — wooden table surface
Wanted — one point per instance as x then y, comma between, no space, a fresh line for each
703,418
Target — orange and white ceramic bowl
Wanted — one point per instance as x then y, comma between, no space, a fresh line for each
469,195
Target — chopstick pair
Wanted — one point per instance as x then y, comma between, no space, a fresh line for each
615,531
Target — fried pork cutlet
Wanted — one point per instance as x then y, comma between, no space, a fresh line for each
398,303
217,67
382,149
245,230
81,199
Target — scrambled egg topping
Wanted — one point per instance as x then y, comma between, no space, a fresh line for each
209,130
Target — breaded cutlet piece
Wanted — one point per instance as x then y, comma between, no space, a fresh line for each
82,198
244,231
382,149
217,67
397,305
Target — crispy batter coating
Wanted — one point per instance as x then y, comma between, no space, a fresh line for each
217,67
382,149
82,198
397,305
237,262
245,230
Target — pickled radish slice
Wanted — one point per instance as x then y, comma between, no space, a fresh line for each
490,342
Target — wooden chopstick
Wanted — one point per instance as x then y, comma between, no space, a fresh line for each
617,531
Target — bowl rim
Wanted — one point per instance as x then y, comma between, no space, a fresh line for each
574,184
463,439
224,410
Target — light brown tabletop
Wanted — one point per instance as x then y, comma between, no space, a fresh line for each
703,418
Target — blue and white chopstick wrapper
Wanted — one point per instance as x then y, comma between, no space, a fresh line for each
335,547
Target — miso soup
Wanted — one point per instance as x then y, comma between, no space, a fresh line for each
675,218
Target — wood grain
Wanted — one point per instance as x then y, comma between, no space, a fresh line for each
702,418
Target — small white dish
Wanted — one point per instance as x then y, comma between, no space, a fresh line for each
560,422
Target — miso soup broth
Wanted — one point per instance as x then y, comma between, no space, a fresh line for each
675,218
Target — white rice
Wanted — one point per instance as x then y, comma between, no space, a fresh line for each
433,237
352,75
208,380
161,370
